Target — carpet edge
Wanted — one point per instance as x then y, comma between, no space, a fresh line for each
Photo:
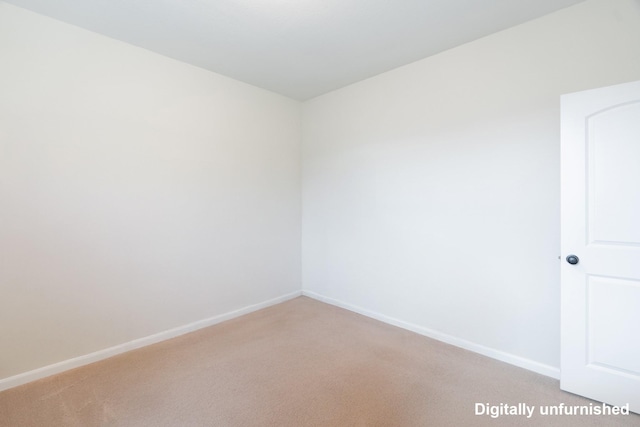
76,362
512,359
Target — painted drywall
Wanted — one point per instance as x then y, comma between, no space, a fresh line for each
431,192
137,193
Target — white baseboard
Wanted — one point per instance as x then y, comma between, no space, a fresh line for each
79,361
86,359
521,362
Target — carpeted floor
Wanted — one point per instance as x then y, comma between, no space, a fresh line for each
300,363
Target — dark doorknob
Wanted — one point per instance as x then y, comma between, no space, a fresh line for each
573,260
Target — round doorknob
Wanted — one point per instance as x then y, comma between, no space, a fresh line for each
573,260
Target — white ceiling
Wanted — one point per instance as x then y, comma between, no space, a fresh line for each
299,48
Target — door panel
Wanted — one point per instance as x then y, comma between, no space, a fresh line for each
614,161
600,223
611,307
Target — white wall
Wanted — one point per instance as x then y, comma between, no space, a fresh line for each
137,193
431,192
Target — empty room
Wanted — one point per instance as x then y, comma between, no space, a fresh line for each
319,213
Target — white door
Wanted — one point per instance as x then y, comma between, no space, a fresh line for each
600,192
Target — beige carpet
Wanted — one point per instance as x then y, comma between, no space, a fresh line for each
300,363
